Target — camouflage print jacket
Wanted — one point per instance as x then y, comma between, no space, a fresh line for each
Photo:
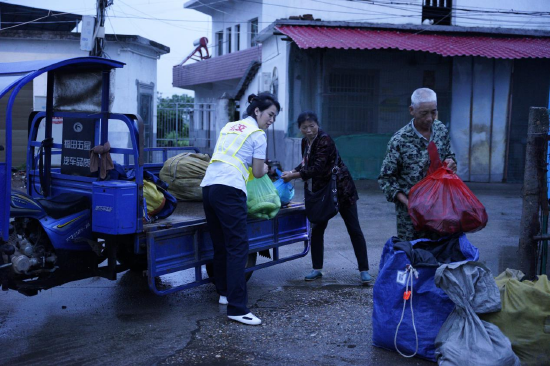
318,167
407,161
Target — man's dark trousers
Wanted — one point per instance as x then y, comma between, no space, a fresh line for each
226,216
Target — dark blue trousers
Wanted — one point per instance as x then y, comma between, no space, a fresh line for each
226,216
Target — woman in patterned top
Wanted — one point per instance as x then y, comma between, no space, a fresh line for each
319,156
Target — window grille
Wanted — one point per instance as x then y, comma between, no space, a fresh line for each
229,40
438,11
253,31
350,102
219,43
238,37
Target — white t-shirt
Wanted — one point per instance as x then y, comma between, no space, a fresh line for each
221,173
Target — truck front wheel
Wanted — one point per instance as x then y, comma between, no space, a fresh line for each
250,263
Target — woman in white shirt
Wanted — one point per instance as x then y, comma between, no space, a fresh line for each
240,145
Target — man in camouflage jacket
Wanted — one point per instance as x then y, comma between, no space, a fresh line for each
407,161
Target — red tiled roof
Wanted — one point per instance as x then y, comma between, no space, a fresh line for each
442,44
231,66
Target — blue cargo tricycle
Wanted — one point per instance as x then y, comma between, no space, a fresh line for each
69,224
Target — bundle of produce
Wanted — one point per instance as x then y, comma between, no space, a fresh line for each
183,173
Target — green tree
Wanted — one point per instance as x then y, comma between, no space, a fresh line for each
169,102
168,114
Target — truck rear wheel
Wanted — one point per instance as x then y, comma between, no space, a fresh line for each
250,263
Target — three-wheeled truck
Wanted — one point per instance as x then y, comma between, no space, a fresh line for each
69,225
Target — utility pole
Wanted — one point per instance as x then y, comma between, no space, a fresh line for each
535,167
99,45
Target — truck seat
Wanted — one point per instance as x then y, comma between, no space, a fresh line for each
65,204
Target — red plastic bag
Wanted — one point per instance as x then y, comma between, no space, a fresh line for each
442,203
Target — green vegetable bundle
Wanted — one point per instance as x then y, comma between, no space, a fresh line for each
263,200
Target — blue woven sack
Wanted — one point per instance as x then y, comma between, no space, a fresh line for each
430,305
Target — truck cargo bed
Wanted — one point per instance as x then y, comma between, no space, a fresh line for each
182,241
193,213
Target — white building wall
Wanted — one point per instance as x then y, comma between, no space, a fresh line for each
141,66
211,92
237,13
274,56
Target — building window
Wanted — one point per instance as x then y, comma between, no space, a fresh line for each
145,100
274,88
219,43
438,12
350,102
229,40
253,31
238,37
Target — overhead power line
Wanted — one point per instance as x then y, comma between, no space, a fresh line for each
35,20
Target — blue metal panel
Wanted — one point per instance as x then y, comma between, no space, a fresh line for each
4,234
260,234
292,226
206,247
114,207
174,250
65,232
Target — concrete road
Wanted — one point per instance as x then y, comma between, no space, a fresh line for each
326,322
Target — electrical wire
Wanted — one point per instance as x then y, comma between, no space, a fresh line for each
210,6
35,20
470,9
139,11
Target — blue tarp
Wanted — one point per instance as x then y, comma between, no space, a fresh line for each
431,306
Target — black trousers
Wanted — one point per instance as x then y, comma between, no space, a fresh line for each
349,214
226,217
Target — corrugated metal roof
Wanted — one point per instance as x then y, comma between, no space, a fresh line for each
442,44
230,66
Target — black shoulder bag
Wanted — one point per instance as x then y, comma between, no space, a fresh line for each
322,205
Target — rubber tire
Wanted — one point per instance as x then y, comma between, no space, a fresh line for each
251,261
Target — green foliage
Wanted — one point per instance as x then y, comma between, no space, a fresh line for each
173,114
173,139
170,102
21,167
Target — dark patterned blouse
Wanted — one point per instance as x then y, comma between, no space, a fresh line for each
317,165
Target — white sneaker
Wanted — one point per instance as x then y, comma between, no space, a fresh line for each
223,300
248,319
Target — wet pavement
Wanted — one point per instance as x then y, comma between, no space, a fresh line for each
324,322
